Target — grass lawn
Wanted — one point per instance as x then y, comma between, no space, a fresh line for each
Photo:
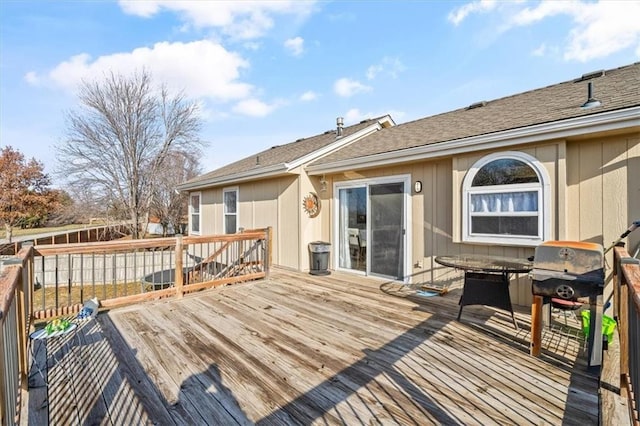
17,232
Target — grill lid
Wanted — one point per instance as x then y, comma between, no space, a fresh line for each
570,257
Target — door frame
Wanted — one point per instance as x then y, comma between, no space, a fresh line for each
408,235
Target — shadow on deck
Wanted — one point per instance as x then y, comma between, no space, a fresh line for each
298,349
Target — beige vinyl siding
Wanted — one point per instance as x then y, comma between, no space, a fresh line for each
603,192
633,191
433,229
288,231
313,228
603,189
261,204
211,211
595,195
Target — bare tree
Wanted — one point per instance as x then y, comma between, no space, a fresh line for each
168,205
120,138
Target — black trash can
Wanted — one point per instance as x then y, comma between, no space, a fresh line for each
319,257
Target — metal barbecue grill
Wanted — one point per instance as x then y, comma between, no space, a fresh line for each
572,270
568,270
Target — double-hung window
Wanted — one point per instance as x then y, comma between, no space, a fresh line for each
194,213
230,206
506,200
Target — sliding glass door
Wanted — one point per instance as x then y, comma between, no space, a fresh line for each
371,220
387,229
353,228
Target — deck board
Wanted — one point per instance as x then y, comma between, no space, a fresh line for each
338,349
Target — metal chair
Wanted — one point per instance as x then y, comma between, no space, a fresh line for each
356,247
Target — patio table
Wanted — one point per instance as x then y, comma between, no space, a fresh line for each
486,279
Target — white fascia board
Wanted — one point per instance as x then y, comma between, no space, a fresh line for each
606,121
341,142
271,171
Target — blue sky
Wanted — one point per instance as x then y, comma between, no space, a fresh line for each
268,73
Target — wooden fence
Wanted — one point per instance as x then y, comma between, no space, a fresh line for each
85,235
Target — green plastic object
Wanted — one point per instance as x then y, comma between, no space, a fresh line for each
608,325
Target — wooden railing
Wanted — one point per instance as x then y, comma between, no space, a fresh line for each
14,323
47,281
123,272
627,312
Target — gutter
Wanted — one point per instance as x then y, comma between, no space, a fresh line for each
606,121
270,171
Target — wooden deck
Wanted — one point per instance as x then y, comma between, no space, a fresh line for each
302,349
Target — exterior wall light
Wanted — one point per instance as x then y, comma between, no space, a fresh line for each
323,184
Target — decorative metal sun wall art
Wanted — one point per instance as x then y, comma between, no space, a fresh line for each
311,204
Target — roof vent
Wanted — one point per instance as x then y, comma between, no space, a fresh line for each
591,101
477,105
340,126
589,76
257,160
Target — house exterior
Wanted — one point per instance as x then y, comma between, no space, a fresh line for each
499,177
267,189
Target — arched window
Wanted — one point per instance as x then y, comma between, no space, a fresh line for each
505,200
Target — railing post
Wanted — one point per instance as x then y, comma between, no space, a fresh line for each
23,323
269,249
179,278
623,324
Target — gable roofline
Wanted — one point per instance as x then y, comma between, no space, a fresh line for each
382,122
627,118
284,168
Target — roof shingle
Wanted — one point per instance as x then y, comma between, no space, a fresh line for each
280,154
617,89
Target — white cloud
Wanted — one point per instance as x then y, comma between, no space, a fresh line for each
239,19
346,87
308,96
202,69
602,29
254,108
373,71
32,78
354,115
543,10
599,28
252,45
459,14
540,50
295,46
389,66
